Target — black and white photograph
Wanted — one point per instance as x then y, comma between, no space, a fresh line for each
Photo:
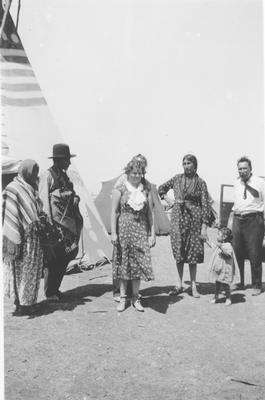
133,191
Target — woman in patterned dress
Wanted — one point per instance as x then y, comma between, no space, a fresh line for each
22,253
132,209
190,216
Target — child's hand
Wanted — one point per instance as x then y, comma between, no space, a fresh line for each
225,256
152,241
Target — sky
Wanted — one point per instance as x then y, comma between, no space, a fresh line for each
162,78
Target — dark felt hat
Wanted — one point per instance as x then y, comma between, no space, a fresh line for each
61,150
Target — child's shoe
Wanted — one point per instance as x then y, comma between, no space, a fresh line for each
228,302
214,300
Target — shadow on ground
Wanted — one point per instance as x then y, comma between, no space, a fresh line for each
157,298
72,298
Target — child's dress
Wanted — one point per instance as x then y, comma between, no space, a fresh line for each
223,268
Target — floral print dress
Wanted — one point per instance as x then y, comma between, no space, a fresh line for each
22,276
132,257
191,208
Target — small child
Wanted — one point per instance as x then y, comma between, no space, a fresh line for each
223,268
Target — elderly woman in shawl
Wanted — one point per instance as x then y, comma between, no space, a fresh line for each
191,214
22,253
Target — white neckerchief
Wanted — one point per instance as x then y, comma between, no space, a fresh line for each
136,199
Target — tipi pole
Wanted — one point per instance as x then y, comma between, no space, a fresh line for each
7,8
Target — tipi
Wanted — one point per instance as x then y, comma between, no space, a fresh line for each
29,131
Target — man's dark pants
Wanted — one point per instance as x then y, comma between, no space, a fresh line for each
55,270
248,234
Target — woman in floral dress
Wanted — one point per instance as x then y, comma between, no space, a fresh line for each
132,209
22,252
190,216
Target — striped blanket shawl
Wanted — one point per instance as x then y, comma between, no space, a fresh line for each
20,216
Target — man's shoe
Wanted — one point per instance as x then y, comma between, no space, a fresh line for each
61,296
256,292
53,298
23,310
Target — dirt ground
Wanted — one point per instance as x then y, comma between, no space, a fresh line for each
178,349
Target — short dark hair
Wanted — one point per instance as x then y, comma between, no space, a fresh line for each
191,158
227,233
245,159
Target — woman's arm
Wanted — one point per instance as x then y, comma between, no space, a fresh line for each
165,187
152,240
116,196
45,184
206,211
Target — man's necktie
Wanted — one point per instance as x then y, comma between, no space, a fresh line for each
251,190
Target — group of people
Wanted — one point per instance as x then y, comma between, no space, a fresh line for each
132,225
41,230
42,226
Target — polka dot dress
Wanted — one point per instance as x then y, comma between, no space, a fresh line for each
132,257
191,209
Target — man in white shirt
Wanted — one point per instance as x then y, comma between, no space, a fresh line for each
248,222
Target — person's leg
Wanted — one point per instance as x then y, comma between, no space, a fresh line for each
65,259
180,268
178,288
216,293
193,273
123,289
135,295
228,295
253,235
129,289
116,289
238,246
52,273
62,261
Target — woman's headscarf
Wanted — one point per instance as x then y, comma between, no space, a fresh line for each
26,171
20,210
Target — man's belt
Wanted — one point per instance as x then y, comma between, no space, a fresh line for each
248,215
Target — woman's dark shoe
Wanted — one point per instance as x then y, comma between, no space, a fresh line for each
176,291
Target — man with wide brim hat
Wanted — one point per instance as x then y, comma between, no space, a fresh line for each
61,204
61,150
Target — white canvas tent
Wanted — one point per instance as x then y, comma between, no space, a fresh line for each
29,131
